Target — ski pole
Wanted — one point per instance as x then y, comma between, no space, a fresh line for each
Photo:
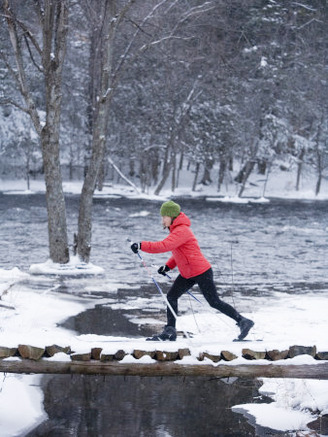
189,292
161,292
157,286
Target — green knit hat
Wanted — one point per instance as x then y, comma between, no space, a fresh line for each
170,208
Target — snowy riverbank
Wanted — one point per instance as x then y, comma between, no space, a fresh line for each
280,184
31,310
33,317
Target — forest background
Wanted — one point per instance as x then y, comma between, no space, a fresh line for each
141,89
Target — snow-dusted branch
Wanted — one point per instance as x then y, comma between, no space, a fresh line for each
197,10
304,6
164,39
122,175
7,101
128,48
309,22
19,75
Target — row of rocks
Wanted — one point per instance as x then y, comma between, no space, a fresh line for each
36,353
33,352
270,355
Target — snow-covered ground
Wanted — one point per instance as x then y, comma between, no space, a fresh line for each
279,184
34,316
31,315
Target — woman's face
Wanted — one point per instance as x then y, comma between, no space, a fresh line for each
166,221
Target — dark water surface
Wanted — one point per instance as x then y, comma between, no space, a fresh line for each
134,406
270,244
255,248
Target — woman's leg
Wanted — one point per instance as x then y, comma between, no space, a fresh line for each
180,286
206,284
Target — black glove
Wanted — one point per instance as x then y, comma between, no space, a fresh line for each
163,269
135,247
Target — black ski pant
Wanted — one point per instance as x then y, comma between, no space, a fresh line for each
207,287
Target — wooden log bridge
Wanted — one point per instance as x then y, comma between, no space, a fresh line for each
32,360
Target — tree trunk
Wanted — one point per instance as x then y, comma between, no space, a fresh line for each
206,179
54,23
166,369
318,185
54,32
167,165
101,176
319,170
299,168
86,199
268,166
196,177
57,227
154,166
319,160
99,127
174,173
247,170
165,175
222,170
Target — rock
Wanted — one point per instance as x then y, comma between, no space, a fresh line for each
120,354
322,356
166,356
95,353
30,352
201,356
214,358
183,353
228,356
54,349
117,356
249,354
137,353
106,357
81,357
275,355
302,350
6,352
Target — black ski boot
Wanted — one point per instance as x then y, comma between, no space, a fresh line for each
245,326
169,334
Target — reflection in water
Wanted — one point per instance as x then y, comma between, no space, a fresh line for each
141,406
102,320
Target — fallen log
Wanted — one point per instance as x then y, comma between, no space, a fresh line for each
44,366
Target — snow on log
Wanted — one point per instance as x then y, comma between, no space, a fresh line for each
31,359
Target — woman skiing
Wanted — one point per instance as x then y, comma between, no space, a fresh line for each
194,269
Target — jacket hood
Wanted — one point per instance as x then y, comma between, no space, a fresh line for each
182,219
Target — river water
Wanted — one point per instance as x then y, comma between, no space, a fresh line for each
255,249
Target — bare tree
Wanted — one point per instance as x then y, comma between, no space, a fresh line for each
102,87
320,151
109,71
53,22
177,123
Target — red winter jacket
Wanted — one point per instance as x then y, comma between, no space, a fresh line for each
186,253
